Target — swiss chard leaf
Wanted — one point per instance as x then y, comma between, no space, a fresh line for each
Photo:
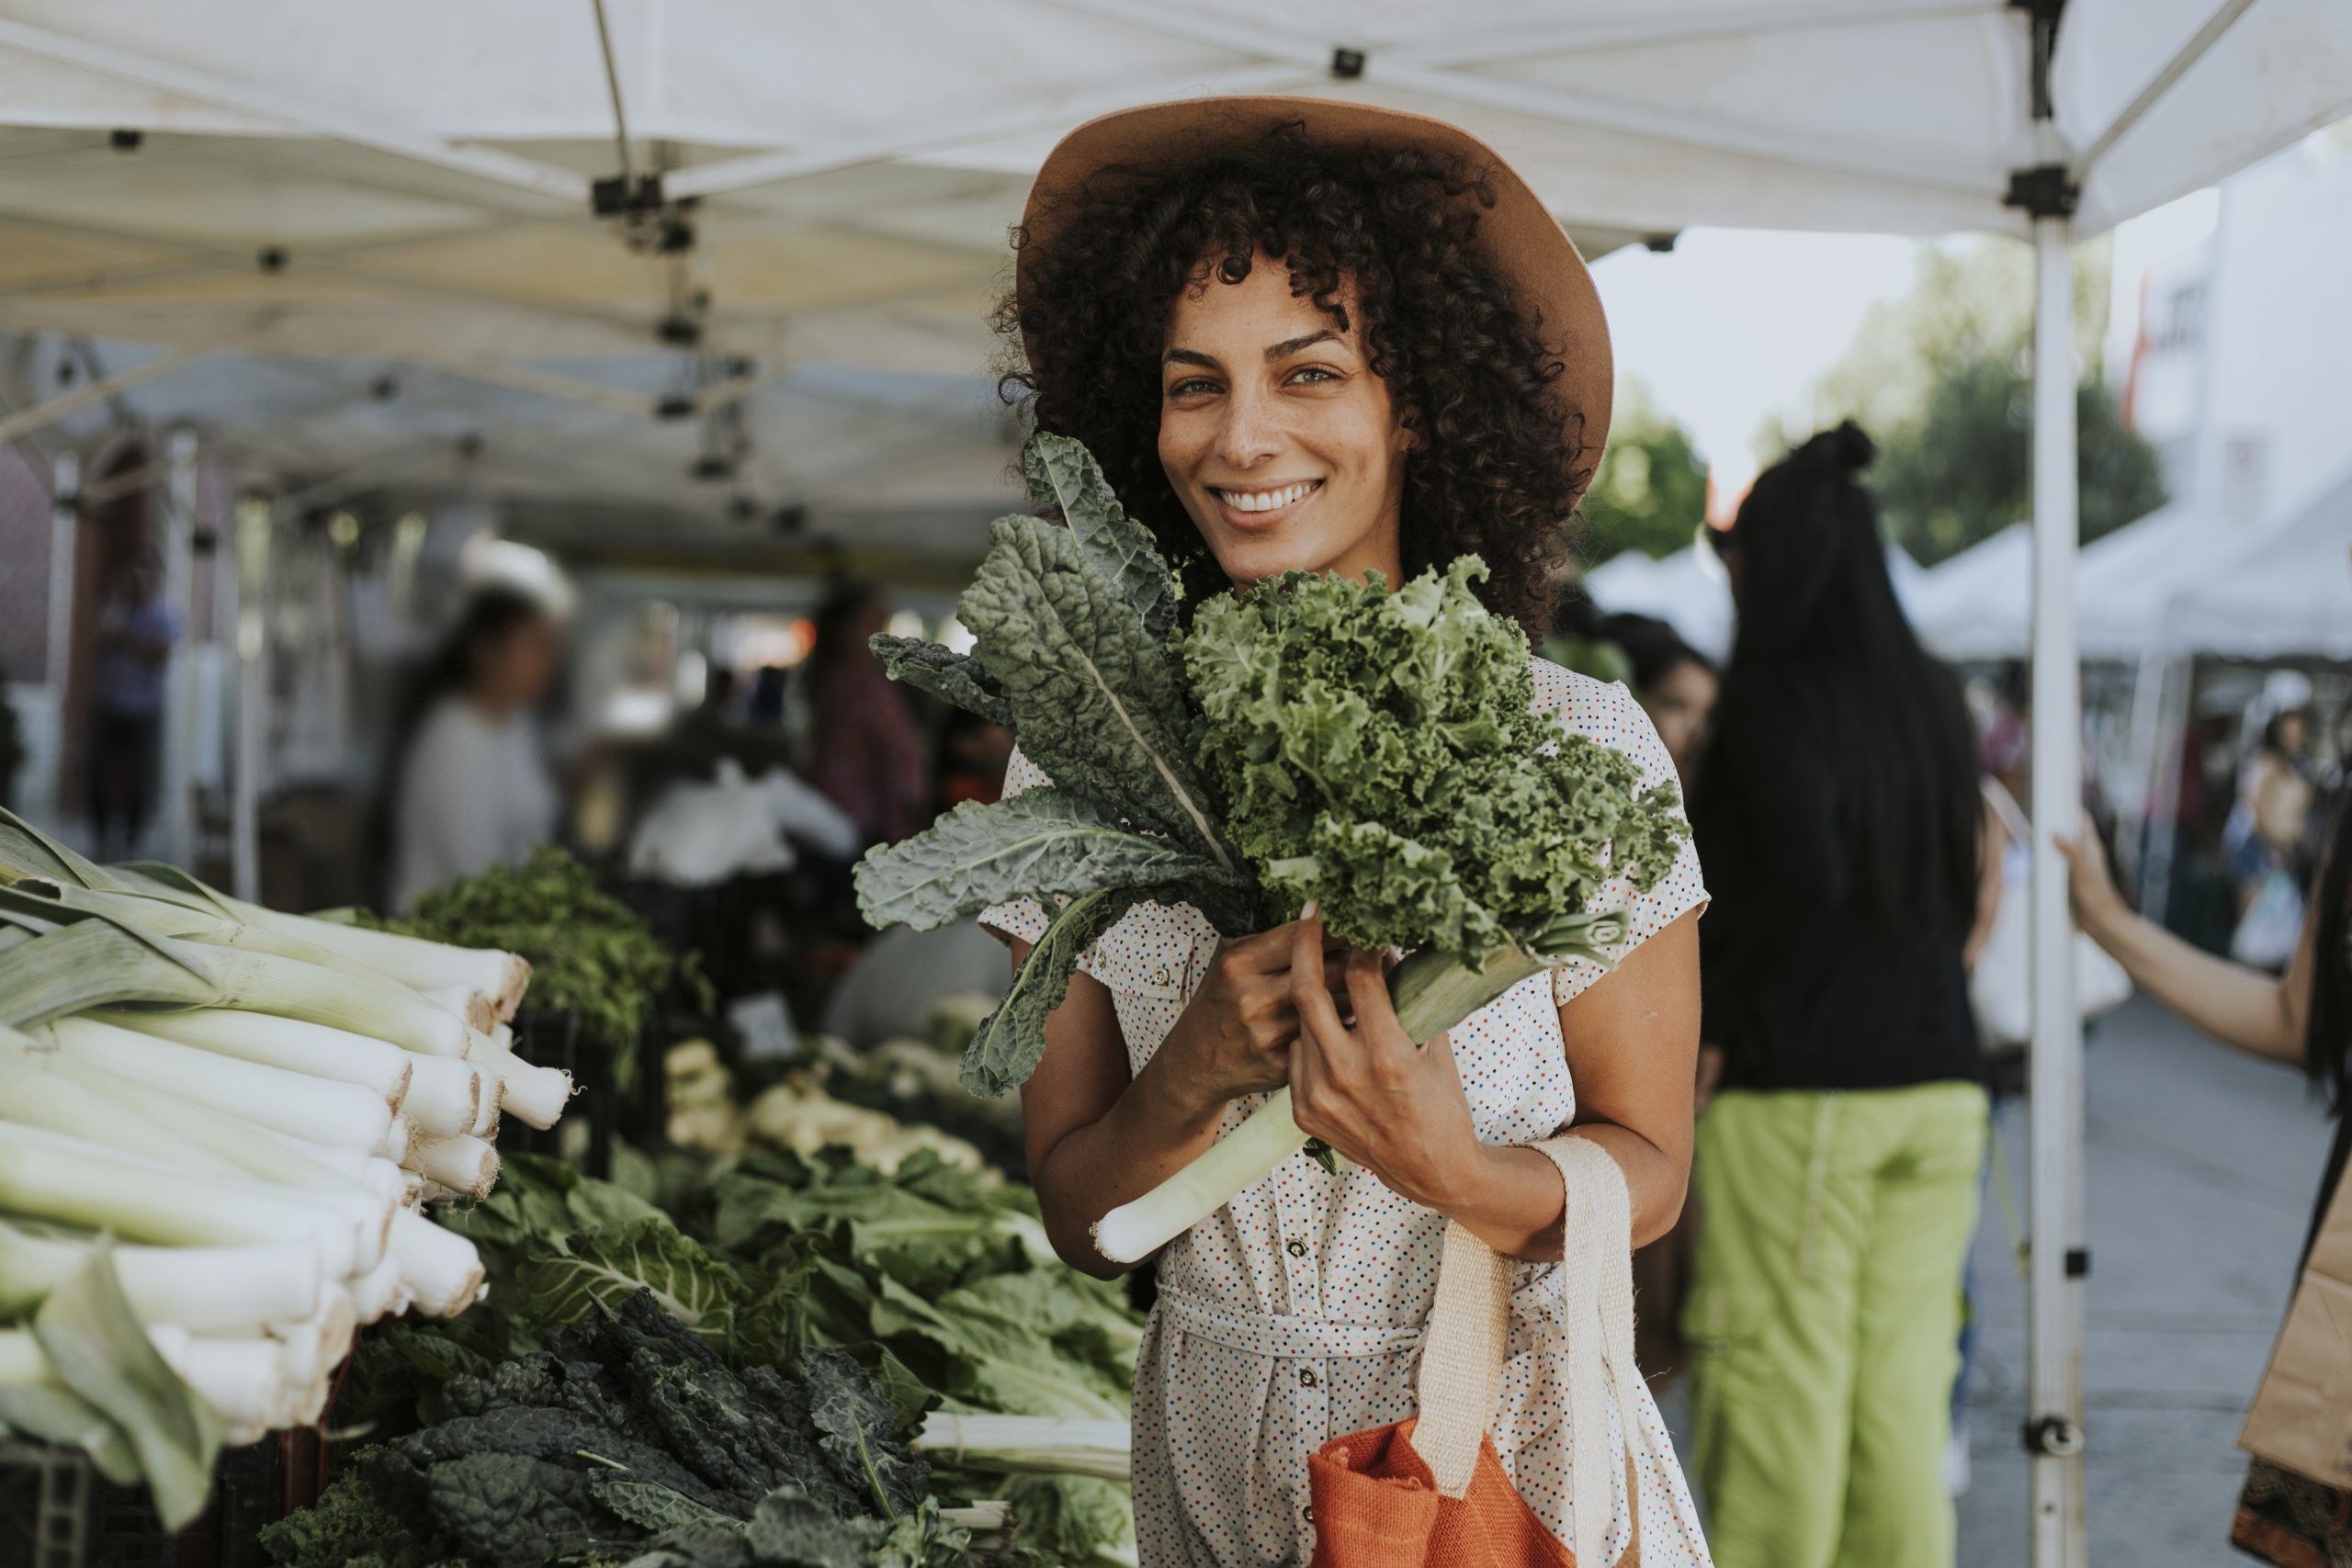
1036,845
604,1267
1006,1048
955,678
1095,698
1062,472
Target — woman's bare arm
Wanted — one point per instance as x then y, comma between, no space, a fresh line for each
2237,1005
1633,1042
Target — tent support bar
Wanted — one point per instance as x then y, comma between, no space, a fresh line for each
43,415
2054,1106
286,108
2199,43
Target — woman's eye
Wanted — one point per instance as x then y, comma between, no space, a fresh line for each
1185,388
1316,370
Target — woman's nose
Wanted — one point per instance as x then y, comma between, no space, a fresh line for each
1250,433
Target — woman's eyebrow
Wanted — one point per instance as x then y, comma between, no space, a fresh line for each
1289,346
1190,357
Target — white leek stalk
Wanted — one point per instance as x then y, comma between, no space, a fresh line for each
382,1292
316,1049
1049,1445
197,1288
413,962
263,982
480,1012
1432,992
463,1165
446,1097
245,1378
440,1267
320,1110
47,1176
537,1095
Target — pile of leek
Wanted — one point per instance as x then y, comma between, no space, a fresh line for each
222,1124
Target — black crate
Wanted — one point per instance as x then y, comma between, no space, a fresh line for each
549,1039
57,1511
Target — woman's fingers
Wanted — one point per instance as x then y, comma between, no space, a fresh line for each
1309,991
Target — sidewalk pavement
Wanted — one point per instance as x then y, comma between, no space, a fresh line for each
2201,1166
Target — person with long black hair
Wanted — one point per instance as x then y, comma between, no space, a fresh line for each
469,788
1837,1163
2303,1019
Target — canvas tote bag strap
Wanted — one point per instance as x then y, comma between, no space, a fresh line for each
1461,1359
2005,806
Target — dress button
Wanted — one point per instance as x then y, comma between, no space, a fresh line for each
1307,1377
1159,975
1295,1248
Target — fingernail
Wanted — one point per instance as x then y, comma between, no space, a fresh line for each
1310,910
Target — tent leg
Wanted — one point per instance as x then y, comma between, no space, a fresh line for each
178,815
65,534
2059,1261
255,524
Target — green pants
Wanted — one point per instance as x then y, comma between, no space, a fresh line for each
1823,1322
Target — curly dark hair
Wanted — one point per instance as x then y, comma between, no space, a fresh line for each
1494,469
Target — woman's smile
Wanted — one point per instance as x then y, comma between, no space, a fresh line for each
1258,508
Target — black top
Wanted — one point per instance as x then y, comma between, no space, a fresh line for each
1803,986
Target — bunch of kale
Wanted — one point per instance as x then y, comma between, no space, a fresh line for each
629,1440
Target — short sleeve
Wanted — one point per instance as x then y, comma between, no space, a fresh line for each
1609,714
1022,918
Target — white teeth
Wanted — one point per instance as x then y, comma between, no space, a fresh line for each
1265,501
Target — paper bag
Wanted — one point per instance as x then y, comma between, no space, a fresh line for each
2302,1418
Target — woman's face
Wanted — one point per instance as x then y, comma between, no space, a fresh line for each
1681,703
1284,448
518,670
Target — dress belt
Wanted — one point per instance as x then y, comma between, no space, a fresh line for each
1265,1333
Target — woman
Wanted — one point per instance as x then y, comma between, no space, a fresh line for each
1838,1164
471,789
1314,336
1675,683
2262,843
2303,1019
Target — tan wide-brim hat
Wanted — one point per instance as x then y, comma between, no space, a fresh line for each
1517,234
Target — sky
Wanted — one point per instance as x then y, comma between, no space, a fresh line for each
1732,326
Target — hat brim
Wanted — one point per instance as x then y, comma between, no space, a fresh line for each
1517,236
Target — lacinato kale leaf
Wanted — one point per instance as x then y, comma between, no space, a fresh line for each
857,1432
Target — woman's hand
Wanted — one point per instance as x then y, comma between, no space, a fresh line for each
2099,904
1235,1036
1395,1108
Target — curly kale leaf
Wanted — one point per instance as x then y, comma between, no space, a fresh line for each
1378,753
955,678
1063,474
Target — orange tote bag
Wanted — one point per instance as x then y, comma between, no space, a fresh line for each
1430,1492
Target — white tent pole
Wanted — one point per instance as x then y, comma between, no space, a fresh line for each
2054,1106
255,524
64,536
178,816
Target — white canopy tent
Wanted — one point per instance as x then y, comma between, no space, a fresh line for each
1691,593
2289,596
415,182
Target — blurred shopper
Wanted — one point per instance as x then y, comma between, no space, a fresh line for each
471,788
865,753
2262,843
1675,683
1838,817
2304,1020
136,629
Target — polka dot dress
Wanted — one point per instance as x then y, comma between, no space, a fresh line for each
1296,1315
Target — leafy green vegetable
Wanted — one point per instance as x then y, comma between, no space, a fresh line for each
1377,752
604,1268
955,678
590,955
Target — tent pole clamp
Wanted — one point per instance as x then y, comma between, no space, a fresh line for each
2052,1436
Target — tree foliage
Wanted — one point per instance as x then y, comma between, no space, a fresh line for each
1651,492
1943,379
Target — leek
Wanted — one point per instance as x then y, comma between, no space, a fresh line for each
1045,1445
291,1043
535,1094
1432,992
318,1109
196,1287
413,960
440,1267
447,1097
464,1164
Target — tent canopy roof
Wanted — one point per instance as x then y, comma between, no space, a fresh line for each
413,181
